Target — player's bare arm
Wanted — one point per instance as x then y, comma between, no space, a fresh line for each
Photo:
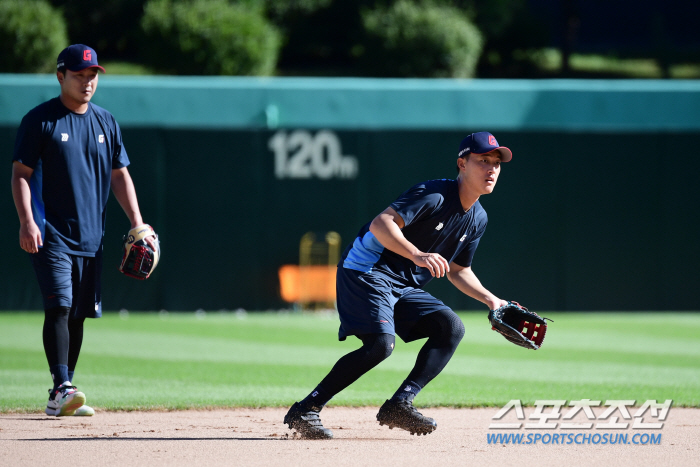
125,192
467,282
386,227
29,233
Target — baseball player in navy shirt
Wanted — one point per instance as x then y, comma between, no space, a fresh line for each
68,154
431,230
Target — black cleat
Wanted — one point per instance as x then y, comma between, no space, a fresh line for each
402,414
306,423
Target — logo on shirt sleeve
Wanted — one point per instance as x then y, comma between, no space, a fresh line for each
439,226
463,237
64,136
101,138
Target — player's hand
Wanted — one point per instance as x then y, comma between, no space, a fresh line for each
496,303
30,237
151,241
436,264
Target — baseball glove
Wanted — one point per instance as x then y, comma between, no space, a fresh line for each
519,325
138,258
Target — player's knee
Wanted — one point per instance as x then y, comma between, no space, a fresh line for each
387,348
456,330
57,313
380,347
452,329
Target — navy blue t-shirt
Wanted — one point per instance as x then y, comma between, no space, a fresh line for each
72,156
435,222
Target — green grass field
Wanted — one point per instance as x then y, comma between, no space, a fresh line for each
186,360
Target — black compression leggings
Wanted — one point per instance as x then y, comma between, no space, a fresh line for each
63,337
444,331
375,348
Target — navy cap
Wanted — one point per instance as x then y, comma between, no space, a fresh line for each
481,143
77,57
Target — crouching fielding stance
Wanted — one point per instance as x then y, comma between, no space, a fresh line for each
431,230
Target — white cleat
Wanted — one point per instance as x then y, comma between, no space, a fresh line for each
65,400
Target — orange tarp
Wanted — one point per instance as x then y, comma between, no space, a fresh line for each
307,283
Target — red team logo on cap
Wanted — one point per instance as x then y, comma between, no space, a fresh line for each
87,55
492,141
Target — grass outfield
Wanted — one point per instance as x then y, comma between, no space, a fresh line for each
186,360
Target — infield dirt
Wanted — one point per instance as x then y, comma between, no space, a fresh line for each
257,437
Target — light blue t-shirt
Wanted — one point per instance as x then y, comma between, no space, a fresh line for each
435,222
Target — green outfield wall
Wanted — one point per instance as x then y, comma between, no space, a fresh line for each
597,210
